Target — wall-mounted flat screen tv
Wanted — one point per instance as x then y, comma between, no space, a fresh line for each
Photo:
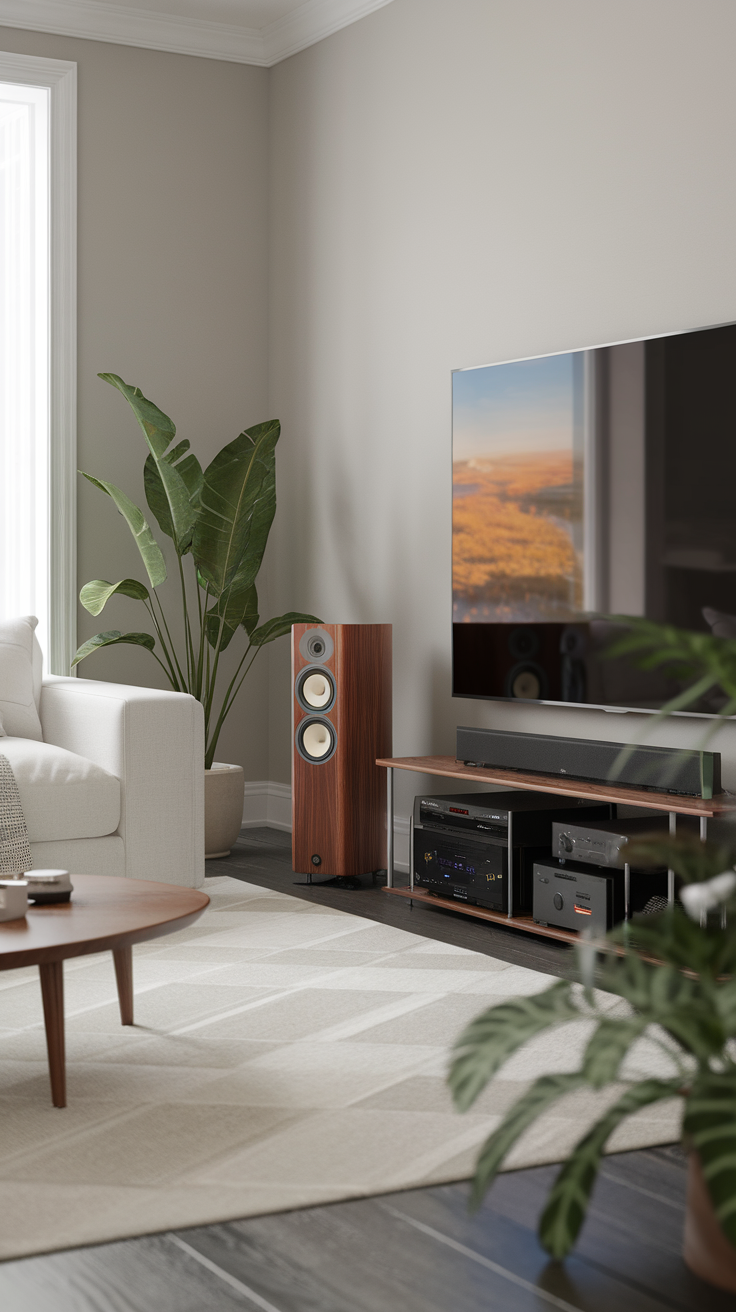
588,485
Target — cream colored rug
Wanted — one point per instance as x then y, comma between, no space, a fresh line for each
284,1054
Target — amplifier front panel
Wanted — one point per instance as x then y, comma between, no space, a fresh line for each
454,868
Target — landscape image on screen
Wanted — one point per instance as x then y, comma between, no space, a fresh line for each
518,491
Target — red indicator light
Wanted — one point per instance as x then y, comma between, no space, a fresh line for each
459,810
583,911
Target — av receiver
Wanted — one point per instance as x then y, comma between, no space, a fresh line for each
665,769
465,845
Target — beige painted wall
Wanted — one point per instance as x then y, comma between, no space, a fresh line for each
454,185
172,296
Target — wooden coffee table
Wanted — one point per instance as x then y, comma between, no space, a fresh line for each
106,913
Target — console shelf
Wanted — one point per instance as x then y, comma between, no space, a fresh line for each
482,913
446,767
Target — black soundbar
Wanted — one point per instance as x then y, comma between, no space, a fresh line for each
662,769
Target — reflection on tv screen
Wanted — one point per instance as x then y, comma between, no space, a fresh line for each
587,485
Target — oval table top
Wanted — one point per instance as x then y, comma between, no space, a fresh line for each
105,912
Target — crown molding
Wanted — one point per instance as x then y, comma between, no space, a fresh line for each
310,23
124,25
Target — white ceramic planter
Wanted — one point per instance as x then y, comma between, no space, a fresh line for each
223,808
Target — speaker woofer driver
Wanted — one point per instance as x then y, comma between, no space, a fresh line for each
315,688
528,681
316,740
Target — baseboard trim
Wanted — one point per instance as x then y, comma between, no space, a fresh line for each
268,803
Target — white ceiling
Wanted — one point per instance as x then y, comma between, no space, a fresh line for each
243,31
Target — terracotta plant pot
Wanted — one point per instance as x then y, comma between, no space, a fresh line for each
706,1249
223,808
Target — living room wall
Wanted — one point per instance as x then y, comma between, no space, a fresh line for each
173,251
454,185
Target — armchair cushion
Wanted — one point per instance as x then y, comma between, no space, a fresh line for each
19,679
63,795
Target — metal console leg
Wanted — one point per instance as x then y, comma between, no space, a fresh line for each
390,827
671,873
627,891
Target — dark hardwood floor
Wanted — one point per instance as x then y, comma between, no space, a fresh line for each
417,1251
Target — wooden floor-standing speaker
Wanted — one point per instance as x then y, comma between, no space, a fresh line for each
341,721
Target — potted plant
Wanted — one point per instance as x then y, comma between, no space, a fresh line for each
220,518
677,972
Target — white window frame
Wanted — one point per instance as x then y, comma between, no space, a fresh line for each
60,76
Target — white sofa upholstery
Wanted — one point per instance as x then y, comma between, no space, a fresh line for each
117,785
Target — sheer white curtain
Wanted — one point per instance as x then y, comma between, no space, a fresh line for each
24,353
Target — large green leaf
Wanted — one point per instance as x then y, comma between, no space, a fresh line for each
233,609
489,1040
190,471
237,506
546,1090
564,1214
279,626
663,994
96,594
725,1000
111,639
710,1127
146,543
159,431
608,1046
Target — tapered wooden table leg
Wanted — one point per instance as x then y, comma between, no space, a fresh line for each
52,992
123,958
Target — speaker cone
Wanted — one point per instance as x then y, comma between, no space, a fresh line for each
528,681
316,740
315,689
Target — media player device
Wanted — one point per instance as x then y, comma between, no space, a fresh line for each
464,845
664,769
572,897
603,843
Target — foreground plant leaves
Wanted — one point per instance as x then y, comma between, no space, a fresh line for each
710,1128
565,1211
546,1090
490,1039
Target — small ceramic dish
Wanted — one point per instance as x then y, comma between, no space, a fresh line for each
13,899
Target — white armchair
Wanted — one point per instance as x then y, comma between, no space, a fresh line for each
152,742
111,777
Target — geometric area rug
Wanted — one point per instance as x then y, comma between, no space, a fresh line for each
284,1055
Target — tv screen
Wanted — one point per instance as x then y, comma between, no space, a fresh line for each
589,485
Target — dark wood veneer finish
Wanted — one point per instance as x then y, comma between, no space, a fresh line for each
449,768
339,806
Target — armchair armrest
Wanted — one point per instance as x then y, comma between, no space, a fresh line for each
153,741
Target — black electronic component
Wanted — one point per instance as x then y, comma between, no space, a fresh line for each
664,769
462,843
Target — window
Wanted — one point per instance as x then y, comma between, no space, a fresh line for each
38,348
